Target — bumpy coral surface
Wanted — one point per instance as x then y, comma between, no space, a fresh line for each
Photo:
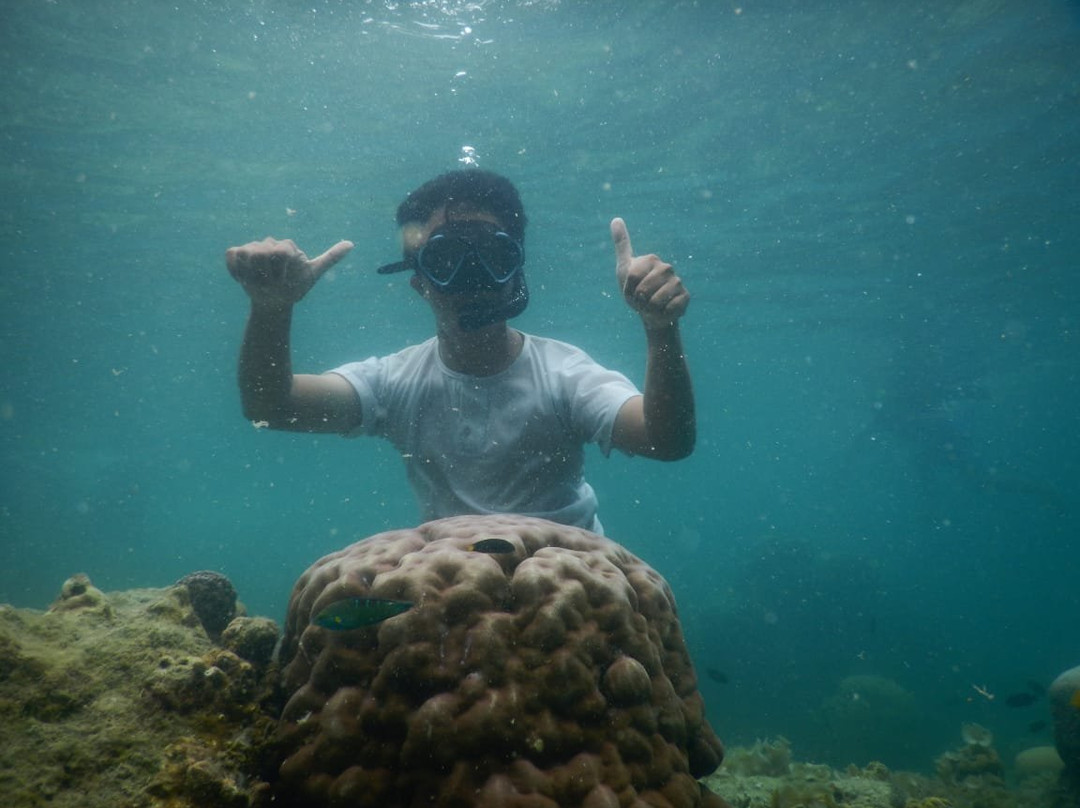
1065,707
548,672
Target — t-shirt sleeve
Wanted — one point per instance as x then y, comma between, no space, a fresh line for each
595,395
368,379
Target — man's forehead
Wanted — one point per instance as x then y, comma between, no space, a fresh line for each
414,234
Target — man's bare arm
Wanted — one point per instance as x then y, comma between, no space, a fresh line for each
276,275
660,424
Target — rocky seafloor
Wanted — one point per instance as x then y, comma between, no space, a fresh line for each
125,700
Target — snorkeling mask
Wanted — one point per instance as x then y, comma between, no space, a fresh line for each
468,257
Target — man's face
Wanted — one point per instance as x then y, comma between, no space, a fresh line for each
467,267
415,236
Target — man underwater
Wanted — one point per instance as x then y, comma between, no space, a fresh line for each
487,419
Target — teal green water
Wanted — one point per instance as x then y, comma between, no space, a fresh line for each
874,207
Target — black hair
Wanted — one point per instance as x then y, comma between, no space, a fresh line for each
469,189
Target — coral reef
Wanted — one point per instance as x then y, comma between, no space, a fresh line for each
213,598
765,758
78,593
972,761
252,638
1065,708
1064,695
122,700
119,700
1037,761
541,665
976,734
742,785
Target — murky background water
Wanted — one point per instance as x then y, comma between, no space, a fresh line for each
874,206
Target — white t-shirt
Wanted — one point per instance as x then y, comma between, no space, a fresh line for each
508,443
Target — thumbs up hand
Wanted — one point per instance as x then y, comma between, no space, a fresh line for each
648,285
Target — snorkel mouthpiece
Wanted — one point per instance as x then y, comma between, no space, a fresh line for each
482,315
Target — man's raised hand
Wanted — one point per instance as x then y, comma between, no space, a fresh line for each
648,285
276,272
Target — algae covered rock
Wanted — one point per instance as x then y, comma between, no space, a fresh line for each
79,593
768,758
764,776
1037,761
977,759
121,699
252,638
198,771
213,598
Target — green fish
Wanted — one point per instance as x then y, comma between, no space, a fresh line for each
493,546
350,613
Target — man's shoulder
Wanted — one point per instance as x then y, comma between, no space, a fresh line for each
549,348
406,360
413,359
418,349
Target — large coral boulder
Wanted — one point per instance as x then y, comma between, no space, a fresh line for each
1065,708
547,669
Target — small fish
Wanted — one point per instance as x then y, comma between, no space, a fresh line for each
1037,726
1036,687
717,675
1023,699
493,546
350,613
